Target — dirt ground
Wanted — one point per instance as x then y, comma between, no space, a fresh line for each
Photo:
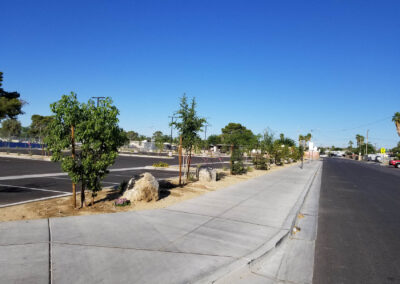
170,194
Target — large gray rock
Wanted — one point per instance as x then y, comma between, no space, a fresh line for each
146,189
206,174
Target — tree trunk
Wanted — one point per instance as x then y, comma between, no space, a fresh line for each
398,127
83,194
180,160
231,157
188,162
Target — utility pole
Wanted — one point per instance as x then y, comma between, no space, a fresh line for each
172,121
366,144
98,99
205,131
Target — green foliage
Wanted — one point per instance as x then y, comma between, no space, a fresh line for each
286,141
396,120
11,127
96,128
161,165
396,151
238,135
40,125
267,142
237,162
10,103
132,135
159,138
122,186
261,162
214,140
188,123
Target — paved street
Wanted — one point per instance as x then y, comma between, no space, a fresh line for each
359,224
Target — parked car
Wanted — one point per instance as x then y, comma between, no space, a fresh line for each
395,163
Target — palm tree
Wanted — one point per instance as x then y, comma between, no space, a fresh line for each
396,120
350,145
360,141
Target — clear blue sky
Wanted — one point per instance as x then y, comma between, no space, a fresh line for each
292,66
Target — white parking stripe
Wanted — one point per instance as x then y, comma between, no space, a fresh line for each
32,188
111,170
33,200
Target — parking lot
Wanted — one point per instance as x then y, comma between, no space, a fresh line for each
25,180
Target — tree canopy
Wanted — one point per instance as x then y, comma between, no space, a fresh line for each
11,127
237,135
97,130
10,103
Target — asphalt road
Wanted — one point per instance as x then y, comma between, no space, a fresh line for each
23,180
359,224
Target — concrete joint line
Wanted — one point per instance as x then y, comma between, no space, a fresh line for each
143,249
215,217
50,253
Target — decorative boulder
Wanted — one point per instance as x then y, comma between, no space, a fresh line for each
206,174
146,189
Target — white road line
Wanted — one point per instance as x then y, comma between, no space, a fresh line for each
111,170
33,200
32,176
32,188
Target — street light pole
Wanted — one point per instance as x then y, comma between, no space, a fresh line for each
366,144
98,99
172,121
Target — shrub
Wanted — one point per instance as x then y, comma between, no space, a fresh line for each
122,186
161,165
260,162
237,162
121,202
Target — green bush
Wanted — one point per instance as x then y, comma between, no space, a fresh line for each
260,162
237,162
161,165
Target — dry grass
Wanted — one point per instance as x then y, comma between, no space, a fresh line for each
170,194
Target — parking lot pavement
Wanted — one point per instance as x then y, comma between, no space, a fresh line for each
24,180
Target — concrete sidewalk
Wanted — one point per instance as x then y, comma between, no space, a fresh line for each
201,239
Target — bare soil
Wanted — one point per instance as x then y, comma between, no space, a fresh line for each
170,193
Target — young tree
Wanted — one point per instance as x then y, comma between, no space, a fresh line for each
11,127
237,136
10,104
189,124
97,130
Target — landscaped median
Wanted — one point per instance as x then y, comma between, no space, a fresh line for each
170,193
200,239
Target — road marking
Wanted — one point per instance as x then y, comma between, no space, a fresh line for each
31,188
111,170
32,176
33,200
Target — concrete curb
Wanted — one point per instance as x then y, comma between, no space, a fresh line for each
25,157
242,264
146,156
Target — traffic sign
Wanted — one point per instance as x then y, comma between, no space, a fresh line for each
383,150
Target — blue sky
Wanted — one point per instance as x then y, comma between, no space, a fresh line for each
292,66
